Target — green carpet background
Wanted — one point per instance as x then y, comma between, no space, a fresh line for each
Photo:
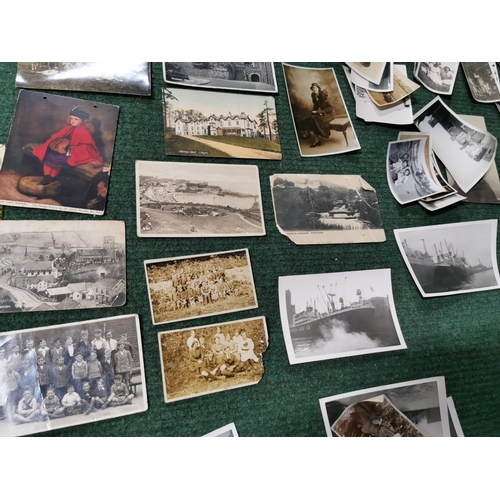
456,336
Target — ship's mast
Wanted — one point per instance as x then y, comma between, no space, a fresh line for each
425,248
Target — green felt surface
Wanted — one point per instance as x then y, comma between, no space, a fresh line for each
456,336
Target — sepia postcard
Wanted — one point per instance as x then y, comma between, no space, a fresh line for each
313,209
466,151
450,259
386,83
247,76
212,358
115,77
321,119
371,71
197,286
438,77
220,125
483,81
422,401
61,265
65,375
455,426
59,152
336,315
198,200
228,430
403,87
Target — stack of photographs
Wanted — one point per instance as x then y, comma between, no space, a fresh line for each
438,77
373,72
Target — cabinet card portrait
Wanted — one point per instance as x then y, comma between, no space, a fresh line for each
197,286
228,430
321,119
212,358
65,375
61,265
220,125
59,152
438,77
198,200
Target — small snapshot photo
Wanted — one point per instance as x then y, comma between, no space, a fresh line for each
61,265
228,430
371,71
220,125
212,358
313,209
403,87
483,81
336,315
449,259
322,123
198,200
438,77
59,152
66,375
197,286
408,173
247,76
115,77
386,83
466,151
455,426
414,408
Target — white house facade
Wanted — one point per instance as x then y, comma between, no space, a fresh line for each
239,125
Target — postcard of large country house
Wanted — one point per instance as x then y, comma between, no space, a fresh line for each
220,125
59,265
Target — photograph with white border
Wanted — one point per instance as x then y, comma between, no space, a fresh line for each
386,83
482,78
403,87
228,430
371,71
455,426
422,401
438,77
337,315
450,259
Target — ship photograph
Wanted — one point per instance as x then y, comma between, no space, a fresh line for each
451,258
334,315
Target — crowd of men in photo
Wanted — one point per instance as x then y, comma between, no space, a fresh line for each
45,382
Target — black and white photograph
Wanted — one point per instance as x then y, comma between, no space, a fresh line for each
65,375
455,426
61,265
386,83
215,124
313,209
113,77
450,259
371,71
408,172
228,430
197,286
247,76
438,77
212,358
422,401
402,88
336,315
466,151
483,81
321,119
192,200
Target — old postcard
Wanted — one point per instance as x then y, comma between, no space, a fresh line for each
455,427
220,125
197,286
423,402
247,76
483,81
72,374
59,152
323,209
466,151
386,83
61,265
438,77
228,430
321,119
198,200
212,358
371,71
335,315
403,87
450,259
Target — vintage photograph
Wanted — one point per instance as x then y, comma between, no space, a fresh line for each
248,76
113,77
386,83
59,152
375,417
212,358
198,200
371,71
466,151
197,286
61,265
438,77
455,426
403,87
228,430
335,315
321,119
220,125
483,81
72,374
449,259
313,209
408,173
423,402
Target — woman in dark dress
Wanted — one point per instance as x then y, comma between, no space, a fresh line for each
321,115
